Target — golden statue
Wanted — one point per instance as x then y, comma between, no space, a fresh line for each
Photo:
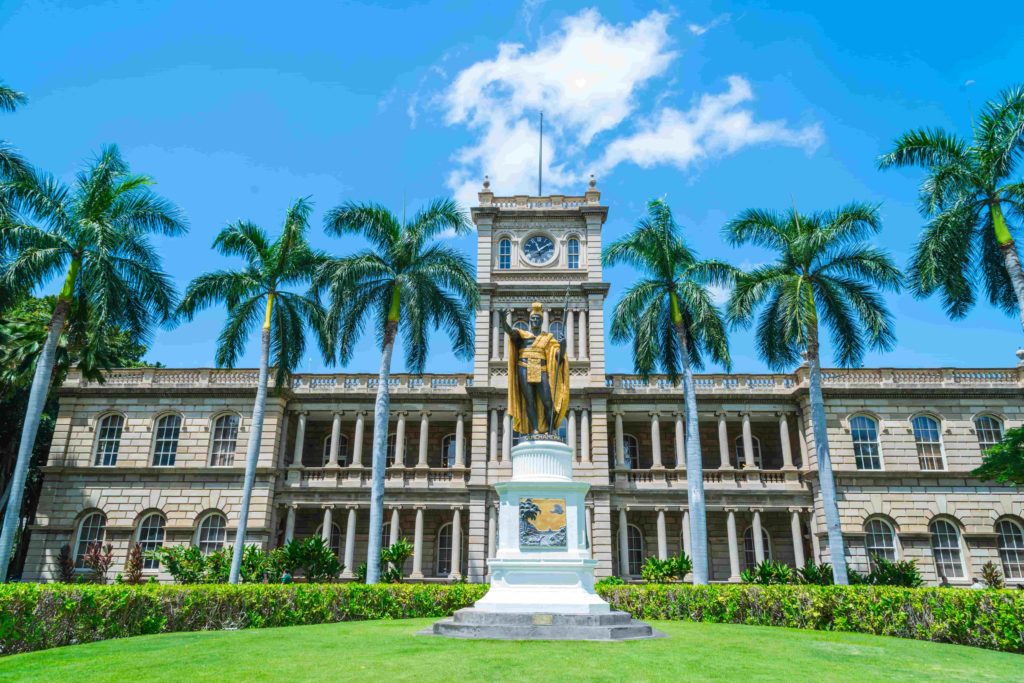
538,376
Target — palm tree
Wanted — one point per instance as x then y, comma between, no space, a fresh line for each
407,283
11,164
261,288
966,197
671,318
824,272
96,235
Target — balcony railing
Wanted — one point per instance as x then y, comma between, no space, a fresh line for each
751,479
355,477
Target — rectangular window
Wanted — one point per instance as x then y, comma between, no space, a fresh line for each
865,443
929,443
574,253
108,440
504,254
225,433
165,441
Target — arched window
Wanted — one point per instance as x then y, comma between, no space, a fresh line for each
557,329
385,534
108,439
946,549
631,451
928,437
635,549
342,450
151,537
749,553
989,430
573,252
225,436
504,254
448,446
391,446
335,543
93,527
864,431
212,533
165,440
741,458
879,540
1011,548
444,550
521,325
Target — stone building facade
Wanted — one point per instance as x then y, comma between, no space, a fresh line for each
155,456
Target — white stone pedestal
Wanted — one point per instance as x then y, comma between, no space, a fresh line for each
548,571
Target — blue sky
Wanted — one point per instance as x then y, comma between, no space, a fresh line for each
239,108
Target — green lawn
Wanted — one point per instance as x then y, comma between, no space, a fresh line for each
390,651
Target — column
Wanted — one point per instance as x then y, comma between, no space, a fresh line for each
787,449
623,544
289,523
723,443
546,320
584,351
456,544
504,345
680,443
460,441
620,444
325,531
300,439
492,531
422,463
589,516
815,542
493,454
570,334
734,550
393,538
332,460
662,537
570,430
798,536
417,547
357,447
506,438
495,337
755,529
656,442
801,441
350,545
687,548
585,433
400,441
748,444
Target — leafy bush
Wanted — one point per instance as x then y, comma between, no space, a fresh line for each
900,573
188,565
393,558
133,566
668,570
609,581
815,574
66,564
991,619
768,573
992,576
320,562
97,559
39,616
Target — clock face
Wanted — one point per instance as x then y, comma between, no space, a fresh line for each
539,249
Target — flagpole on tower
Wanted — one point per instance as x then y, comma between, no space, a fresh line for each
540,158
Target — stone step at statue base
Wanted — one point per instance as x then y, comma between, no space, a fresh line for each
474,623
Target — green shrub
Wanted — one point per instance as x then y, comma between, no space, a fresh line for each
668,570
815,574
900,573
608,582
768,573
319,562
991,619
393,558
39,616
188,565
992,576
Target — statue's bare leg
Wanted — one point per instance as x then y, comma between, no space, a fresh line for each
531,405
545,399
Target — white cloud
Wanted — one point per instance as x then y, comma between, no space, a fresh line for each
701,29
715,125
587,77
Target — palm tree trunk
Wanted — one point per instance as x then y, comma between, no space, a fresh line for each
694,469
826,481
33,413
381,415
1011,259
252,454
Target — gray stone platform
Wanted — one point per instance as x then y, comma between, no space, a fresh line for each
473,623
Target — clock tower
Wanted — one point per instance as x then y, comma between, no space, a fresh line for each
545,249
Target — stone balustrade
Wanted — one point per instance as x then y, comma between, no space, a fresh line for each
749,479
360,477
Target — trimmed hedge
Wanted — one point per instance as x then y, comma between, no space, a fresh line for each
40,616
992,619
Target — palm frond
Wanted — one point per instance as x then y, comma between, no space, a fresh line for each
925,148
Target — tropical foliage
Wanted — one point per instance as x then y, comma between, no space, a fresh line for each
825,272
405,284
261,290
96,235
311,557
669,570
670,317
970,197
1004,462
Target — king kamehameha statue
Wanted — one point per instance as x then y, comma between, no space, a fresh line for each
538,377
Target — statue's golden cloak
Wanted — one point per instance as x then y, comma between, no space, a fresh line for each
558,377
